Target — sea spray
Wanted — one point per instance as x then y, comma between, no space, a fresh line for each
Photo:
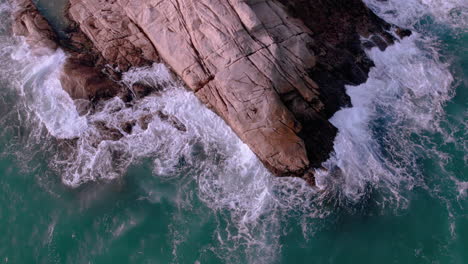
158,139
453,13
42,88
230,177
405,94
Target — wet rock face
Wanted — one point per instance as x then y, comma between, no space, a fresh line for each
29,23
339,22
85,75
338,27
81,81
274,70
82,75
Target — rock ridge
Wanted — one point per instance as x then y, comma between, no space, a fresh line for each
274,70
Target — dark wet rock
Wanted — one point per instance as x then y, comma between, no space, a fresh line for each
174,121
402,33
141,90
128,126
105,133
368,44
379,42
86,82
144,121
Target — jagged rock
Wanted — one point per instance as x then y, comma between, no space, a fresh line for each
144,121
29,23
105,133
403,33
275,74
142,90
120,41
339,23
128,126
172,120
274,70
81,76
87,82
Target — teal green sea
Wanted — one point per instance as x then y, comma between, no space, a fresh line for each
202,198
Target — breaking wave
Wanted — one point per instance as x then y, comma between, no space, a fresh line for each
410,13
404,96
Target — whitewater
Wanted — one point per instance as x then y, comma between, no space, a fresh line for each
396,142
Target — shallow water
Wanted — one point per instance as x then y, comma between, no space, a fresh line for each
55,11
163,196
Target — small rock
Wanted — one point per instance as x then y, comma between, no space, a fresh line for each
141,90
402,33
174,121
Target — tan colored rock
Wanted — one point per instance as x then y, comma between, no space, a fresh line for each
256,63
272,79
120,41
274,73
239,57
82,75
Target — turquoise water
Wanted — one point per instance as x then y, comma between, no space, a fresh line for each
162,196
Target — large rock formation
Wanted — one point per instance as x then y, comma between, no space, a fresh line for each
274,70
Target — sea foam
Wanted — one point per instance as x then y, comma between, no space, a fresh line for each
409,13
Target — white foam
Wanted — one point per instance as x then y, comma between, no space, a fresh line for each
95,159
229,176
40,84
404,94
408,12
462,189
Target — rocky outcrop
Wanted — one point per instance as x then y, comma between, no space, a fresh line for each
86,75
82,75
274,78
274,70
239,61
28,22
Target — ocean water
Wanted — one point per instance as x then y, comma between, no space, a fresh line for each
160,195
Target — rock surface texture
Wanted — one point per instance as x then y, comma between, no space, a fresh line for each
274,70
119,40
28,22
82,75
